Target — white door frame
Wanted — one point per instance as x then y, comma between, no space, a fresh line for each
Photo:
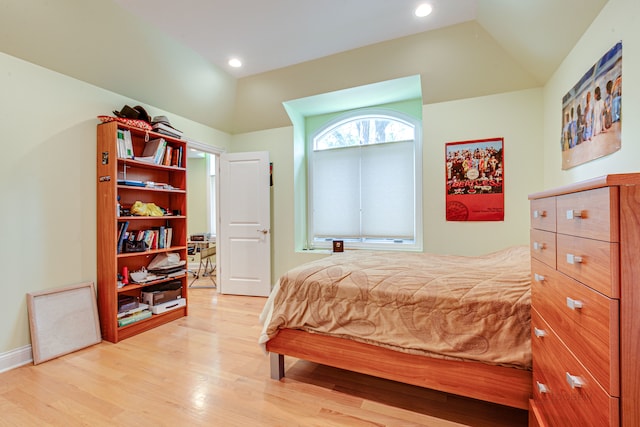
210,149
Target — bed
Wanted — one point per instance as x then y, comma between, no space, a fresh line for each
451,323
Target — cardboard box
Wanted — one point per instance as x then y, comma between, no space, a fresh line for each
159,297
168,306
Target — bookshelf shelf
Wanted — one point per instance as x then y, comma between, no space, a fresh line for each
150,252
140,164
169,194
150,218
143,189
137,286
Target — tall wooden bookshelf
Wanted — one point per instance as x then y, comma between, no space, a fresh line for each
112,170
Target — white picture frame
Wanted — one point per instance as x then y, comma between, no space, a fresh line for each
62,321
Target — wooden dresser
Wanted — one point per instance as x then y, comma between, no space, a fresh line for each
585,297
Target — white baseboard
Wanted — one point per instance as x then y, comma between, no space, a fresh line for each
15,358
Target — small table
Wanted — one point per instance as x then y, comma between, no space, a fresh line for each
207,250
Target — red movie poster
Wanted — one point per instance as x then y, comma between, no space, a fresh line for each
475,180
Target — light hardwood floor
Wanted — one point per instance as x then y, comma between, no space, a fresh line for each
207,369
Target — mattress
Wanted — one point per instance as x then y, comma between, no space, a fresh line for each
454,307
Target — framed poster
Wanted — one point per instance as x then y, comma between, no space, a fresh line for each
62,321
592,112
475,180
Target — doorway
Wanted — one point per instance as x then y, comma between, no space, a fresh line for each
202,213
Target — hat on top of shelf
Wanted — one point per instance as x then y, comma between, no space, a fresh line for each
161,119
136,113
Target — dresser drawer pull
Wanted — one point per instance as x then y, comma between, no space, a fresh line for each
574,259
539,214
542,388
574,304
574,381
538,277
574,213
538,246
539,333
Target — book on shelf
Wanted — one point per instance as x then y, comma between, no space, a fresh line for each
124,144
154,239
119,142
167,130
177,157
141,307
160,155
168,153
151,238
159,238
162,237
169,232
147,238
135,317
154,151
128,144
131,182
167,133
121,235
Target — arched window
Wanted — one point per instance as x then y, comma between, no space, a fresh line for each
365,181
364,130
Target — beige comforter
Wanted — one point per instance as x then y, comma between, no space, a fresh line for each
458,307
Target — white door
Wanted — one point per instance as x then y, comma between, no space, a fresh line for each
244,237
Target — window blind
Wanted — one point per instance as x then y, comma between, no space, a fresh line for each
364,192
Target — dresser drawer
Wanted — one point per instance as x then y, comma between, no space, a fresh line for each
592,262
554,371
590,332
536,417
542,213
543,246
592,214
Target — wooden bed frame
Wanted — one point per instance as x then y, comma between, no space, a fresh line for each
497,384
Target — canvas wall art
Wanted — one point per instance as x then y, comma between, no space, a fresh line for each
592,112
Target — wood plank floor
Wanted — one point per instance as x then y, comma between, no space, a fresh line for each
207,369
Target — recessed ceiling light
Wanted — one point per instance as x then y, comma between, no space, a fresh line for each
423,10
235,63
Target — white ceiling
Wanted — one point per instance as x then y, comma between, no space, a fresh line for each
173,54
269,35
273,34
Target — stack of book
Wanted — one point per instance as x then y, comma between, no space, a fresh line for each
159,152
165,129
154,238
176,157
134,315
154,151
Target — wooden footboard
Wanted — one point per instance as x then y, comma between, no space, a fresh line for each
497,384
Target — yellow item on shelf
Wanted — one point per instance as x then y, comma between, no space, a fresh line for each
145,209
